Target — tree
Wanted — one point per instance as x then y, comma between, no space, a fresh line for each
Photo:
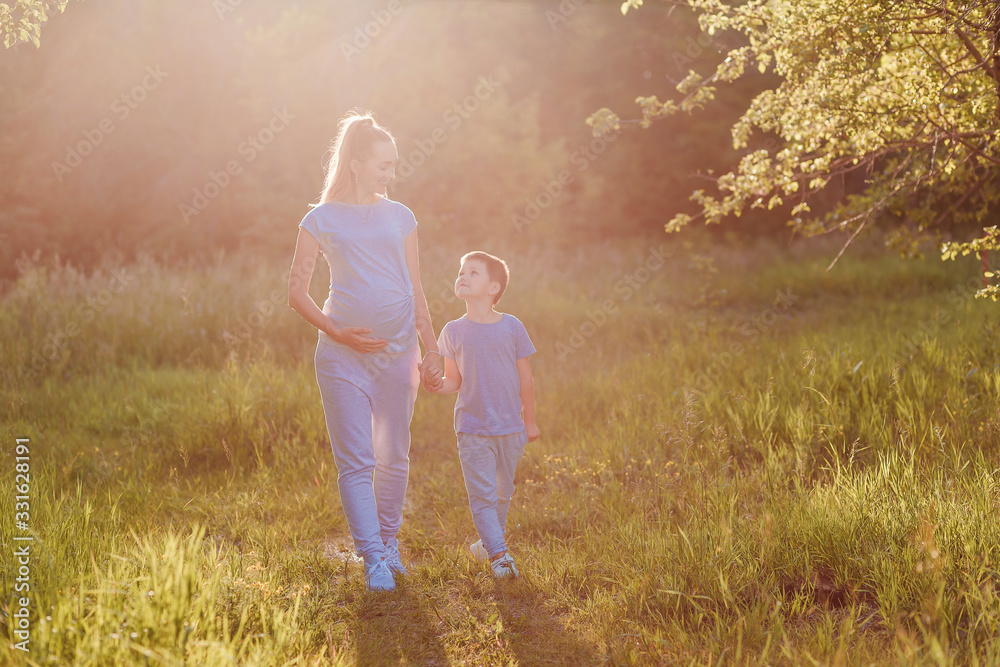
907,92
23,22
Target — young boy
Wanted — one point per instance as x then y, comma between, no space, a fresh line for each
486,362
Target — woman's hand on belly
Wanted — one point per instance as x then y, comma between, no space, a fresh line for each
355,338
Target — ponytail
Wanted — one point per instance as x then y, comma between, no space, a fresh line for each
358,133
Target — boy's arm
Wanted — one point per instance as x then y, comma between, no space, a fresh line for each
527,398
452,380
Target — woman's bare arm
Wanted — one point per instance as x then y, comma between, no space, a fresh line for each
425,329
430,370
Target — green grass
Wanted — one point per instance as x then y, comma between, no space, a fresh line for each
723,477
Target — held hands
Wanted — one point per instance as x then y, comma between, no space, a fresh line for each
430,372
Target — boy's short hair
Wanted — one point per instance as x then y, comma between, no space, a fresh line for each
496,269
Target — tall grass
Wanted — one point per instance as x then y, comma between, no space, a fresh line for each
748,460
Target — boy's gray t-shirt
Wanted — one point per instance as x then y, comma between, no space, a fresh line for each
489,400
369,279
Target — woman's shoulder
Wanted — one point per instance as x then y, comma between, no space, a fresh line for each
333,212
398,206
336,205
323,209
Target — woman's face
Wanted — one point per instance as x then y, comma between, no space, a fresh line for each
375,173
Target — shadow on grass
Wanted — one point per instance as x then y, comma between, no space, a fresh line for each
534,629
396,628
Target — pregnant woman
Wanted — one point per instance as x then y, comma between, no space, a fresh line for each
367,358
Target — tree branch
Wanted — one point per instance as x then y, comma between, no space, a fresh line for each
867,215
968,193
977,55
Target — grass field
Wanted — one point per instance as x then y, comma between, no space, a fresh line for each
744,460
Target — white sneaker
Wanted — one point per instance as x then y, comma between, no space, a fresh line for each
378,577
479,551
393,560
503,567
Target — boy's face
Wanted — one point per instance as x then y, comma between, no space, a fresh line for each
474,282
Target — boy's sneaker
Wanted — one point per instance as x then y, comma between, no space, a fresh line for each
378,577
479,551
393,560
503,567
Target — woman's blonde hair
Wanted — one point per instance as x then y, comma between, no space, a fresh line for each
358,133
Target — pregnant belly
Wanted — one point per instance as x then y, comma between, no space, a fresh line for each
388,314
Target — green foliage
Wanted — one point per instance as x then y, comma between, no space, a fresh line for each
981,246
23,22
826,493
905,93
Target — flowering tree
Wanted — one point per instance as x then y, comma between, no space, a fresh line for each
906,91
23,22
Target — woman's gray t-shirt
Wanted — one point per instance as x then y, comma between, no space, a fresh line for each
369,280
489,400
